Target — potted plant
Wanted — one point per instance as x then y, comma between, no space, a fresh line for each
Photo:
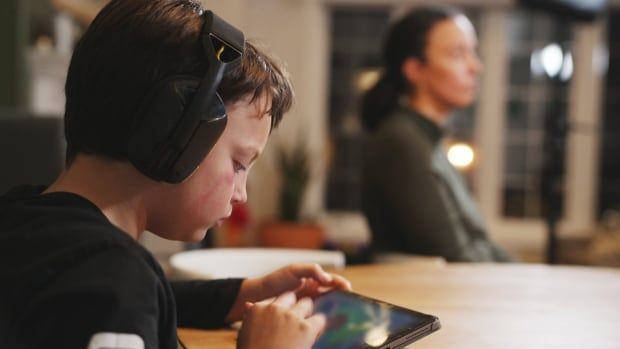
290,230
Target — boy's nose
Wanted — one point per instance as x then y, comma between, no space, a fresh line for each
240,195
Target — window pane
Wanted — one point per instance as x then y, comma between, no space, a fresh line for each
540,71
355,49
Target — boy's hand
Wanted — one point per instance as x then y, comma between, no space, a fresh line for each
282,324
305,280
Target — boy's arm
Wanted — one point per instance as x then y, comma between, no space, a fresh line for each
205,304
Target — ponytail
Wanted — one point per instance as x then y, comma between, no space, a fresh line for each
381,100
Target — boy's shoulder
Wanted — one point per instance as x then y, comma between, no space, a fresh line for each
58,218
60,255
60,236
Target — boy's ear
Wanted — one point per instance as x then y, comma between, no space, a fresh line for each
413,70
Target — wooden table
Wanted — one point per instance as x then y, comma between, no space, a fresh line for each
488,306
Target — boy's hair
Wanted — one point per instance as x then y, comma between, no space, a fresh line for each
131,46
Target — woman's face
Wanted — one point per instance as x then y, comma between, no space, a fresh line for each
449,74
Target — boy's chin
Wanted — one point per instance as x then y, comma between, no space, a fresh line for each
198,235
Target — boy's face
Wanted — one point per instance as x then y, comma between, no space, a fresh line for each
186,210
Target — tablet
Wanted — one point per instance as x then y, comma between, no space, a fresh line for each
355,322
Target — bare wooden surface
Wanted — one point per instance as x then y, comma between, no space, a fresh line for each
488,306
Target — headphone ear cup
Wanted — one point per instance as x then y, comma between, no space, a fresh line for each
203,139
149,147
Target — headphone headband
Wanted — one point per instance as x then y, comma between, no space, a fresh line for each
185,116
223,44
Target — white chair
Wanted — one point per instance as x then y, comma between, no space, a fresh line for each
246,262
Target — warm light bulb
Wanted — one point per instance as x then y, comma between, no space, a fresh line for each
461,155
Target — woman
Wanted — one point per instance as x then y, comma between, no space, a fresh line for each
415,201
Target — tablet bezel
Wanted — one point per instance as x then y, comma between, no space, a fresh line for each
404,336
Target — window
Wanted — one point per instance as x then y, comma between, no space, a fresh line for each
540,69
355,53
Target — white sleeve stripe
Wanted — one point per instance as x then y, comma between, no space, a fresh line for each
108,340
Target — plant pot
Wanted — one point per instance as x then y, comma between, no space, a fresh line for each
291,235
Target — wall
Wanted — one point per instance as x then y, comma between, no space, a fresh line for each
296,32
13,40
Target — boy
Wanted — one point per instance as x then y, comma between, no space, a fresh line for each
74,275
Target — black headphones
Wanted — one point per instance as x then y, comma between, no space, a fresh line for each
182,117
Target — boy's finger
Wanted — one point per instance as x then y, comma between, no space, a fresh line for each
317,323
286,299
308,284
311,271
341,283
303,308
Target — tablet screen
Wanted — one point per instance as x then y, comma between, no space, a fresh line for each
357,322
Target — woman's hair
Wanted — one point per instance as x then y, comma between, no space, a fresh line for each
130,47
406,38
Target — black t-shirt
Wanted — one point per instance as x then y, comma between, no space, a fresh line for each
71,279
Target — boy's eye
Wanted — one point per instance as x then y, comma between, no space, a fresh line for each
238,167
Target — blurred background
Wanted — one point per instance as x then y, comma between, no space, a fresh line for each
507,147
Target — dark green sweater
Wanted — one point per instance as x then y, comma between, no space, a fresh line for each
414,200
